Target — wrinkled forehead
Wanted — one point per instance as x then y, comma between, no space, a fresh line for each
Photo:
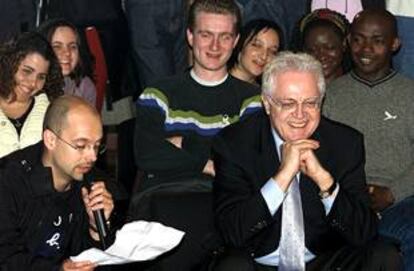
295,83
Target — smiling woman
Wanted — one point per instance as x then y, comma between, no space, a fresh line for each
322,34
30,76
72,56
259,42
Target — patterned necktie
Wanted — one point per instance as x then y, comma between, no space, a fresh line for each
292,240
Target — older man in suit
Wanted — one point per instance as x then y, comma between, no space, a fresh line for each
290,191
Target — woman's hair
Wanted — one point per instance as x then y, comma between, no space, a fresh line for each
83,68
12,54
249,32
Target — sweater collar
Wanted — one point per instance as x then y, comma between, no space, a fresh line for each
372,84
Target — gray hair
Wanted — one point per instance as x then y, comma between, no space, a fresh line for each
289,61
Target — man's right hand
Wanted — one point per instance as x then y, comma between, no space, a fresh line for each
69,265
381,197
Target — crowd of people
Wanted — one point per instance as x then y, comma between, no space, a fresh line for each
293,126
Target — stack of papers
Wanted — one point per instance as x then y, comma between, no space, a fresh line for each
136,241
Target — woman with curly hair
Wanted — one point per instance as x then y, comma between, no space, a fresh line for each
30,77
72,56
259,42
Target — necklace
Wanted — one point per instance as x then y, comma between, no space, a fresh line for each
16,123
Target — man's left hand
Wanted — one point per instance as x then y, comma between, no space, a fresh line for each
69,265
309,165
98,198
176,141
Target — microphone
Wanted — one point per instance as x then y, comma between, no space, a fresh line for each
99,216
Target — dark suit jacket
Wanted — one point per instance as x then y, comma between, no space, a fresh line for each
245,158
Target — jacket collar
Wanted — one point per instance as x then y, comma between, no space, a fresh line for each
268,158
40,178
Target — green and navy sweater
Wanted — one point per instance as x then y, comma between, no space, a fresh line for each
180,106
384,112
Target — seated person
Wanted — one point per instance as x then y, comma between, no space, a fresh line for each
178,116
46,214
30,77
290,186
378,101
66,43
323,35
259,42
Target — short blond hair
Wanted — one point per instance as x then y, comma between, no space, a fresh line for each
225,7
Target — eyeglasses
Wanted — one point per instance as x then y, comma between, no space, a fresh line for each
290,105
98,149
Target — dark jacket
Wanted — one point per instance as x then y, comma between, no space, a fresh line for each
246,158
39,227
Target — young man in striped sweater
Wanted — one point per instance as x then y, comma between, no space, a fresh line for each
178,116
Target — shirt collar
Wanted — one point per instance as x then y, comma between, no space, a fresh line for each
205,82
278,142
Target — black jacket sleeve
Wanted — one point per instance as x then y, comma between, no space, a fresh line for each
351,216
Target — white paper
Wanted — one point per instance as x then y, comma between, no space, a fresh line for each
136,241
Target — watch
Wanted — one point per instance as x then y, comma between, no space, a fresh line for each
323,194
